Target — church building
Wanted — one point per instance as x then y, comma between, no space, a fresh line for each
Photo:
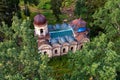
59,39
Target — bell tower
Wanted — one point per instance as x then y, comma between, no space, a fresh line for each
40,25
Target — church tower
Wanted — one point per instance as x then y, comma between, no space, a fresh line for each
40,25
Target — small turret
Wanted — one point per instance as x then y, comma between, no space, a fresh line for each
40,25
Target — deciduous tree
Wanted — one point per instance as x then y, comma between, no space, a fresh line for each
96,61
19,58
55,6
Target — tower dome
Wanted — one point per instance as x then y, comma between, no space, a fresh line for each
40,20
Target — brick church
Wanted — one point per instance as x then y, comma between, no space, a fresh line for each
59,39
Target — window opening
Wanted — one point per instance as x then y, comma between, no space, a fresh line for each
45,53
41,31
71,48
81,46
64,50
56,51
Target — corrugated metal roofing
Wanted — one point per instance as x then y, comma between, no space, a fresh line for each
61,33
54,40
70,38
62,40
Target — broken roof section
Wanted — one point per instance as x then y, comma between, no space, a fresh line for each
58,27
78,23
61,40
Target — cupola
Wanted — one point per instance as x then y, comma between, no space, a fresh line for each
40,20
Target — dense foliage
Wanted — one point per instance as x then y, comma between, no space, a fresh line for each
19,58
8,9
96,61
55,6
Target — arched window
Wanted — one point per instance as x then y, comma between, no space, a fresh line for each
71,48
81,46
64,50
41,31
56,51
45,53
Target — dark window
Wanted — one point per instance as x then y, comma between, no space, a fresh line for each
71,48
41,31
56,51
45,53
81,46
64,50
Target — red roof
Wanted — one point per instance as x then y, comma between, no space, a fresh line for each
78,22
40,19
80,36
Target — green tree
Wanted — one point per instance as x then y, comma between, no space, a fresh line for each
80,8
19,58
86,8
30,2
44,4
96,61
108,18
55,6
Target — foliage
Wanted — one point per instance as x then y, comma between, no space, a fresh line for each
86,8
96,61
26,11
8,9
55,6
80,8
108,18
44,4
19,58
31,2
60,66
67,3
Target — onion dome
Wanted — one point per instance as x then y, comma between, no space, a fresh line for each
40,19
78,22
